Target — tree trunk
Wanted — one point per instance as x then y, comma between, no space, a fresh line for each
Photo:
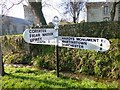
37,7
114,10
74,15
1,59
74,19
1,63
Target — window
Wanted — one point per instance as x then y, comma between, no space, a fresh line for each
105,10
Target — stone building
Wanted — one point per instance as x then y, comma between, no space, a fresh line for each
12,25
100,11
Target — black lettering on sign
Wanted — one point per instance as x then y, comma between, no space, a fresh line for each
47,34
34,35
41,42
95,40
68,38
37,31
81,46
83,43
74,42
87,39
101,44
100,48
72,45
65,44
64,41
76,46
35,39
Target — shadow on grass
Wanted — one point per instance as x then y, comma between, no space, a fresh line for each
49,83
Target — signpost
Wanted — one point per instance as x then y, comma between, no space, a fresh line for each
89,43
97,44
40,36
49,36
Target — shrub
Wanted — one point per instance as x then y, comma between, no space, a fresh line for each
106,64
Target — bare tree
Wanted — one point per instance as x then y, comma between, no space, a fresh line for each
73,7
113,11
5,7
4,11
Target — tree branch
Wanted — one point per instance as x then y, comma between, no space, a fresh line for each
6,9
118,2
15,4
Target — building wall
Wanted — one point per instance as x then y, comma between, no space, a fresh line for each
118,12
11,25
94,15
97,12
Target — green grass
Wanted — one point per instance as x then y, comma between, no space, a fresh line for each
33,78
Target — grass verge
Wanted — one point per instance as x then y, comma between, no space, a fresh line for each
32,78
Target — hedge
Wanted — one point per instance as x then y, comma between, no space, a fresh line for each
109,30
106,64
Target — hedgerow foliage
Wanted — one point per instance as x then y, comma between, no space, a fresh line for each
103,64
15,50
110,30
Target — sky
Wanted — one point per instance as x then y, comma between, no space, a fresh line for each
49,11
17,11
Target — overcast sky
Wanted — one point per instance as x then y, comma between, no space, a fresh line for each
49,11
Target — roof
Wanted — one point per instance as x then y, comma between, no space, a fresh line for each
18,20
